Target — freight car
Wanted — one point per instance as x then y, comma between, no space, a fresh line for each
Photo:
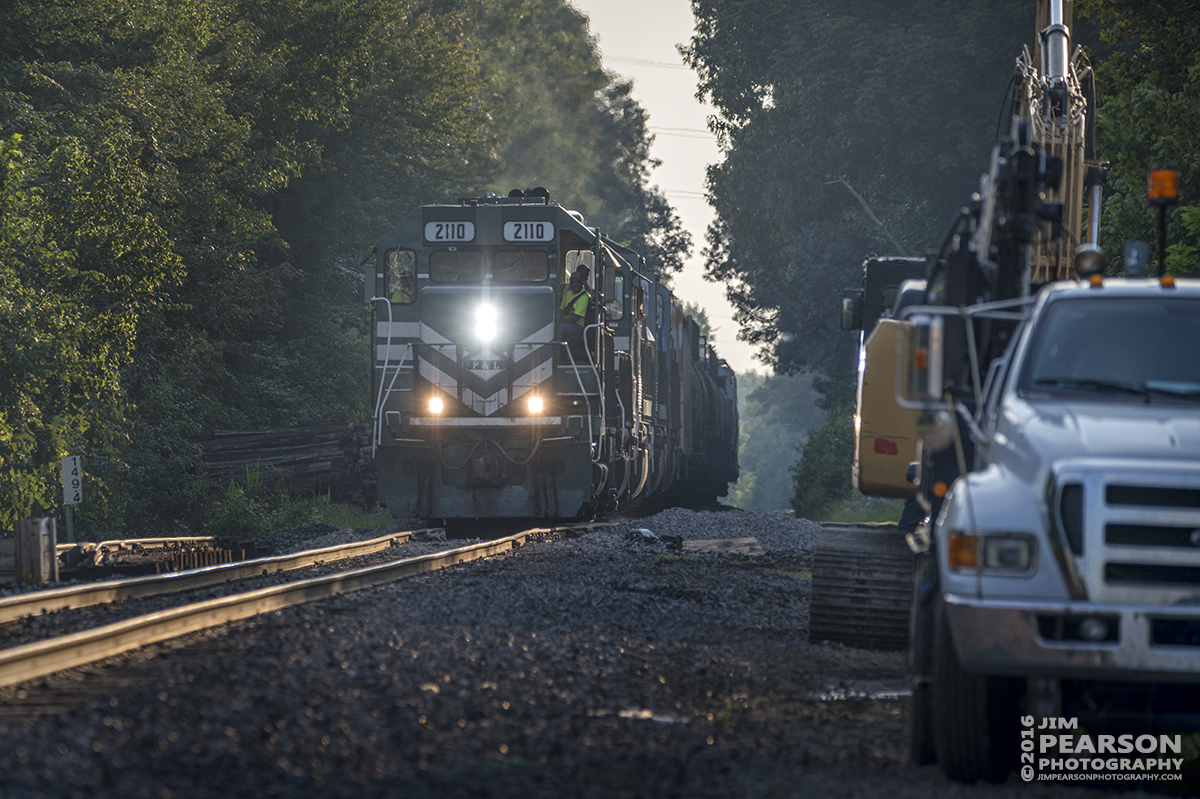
487,406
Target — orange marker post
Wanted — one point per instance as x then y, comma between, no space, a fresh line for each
1162,191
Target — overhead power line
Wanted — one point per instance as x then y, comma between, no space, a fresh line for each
682,133
685,136
870,213
645,63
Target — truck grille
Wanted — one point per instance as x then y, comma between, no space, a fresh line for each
1151,574
1152,496
1071,508
1151,535
1133,530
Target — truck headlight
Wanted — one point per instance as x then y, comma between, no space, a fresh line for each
1010,553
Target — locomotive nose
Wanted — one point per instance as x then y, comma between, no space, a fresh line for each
485,469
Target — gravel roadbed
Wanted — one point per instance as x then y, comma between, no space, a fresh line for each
612,664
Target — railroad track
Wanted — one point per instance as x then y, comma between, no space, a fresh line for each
27,662
89,594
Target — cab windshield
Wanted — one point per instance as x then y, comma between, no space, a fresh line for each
456,266
1115,348
514,266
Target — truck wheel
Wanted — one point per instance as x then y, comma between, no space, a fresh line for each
975,717
920,661
921,749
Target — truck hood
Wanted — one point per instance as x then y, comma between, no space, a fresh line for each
1042,432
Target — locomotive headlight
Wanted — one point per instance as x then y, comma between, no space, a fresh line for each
535,405
435,405
485,322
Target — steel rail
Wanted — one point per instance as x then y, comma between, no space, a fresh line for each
38,602
29,661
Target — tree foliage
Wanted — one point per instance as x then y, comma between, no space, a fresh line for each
211,169
821,477
567,124
777,414
1149,118
897,100
188,191
66,334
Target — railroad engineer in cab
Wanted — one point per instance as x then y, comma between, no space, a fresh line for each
574,305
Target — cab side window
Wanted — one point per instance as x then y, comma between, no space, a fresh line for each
577,258
400,272
614,309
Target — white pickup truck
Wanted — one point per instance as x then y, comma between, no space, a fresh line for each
1063,574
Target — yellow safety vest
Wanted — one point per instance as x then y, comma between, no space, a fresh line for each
574,306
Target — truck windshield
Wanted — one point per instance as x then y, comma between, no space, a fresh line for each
1133,348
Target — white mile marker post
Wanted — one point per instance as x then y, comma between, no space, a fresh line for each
72,478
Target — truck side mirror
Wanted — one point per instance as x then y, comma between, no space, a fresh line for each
852,310
921,354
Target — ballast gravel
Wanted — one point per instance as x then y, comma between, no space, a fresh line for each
612,663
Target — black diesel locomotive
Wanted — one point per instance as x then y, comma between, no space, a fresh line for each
486,406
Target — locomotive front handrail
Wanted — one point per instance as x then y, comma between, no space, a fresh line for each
595,446
599,328
381,399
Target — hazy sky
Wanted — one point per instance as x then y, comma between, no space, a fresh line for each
637,39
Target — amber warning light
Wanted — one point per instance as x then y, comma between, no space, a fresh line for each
1161,186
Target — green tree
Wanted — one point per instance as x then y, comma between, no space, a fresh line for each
1149,118
65,338
359,111
166,149
899,101
896,104
565,123
821,478
197,182
776,414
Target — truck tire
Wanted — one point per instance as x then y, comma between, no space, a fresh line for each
922,751
975,717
